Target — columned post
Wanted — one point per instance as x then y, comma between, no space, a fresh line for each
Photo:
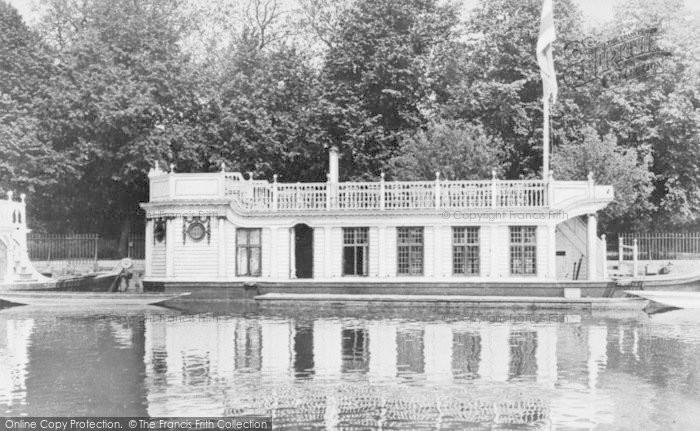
382,195
552,255
437,190
292,254
169,246
269,270
550,190
438,261
148,247
329,187
604,258
494,244
222,247
328,251
592,245
171,181
381,244
333,177
275,197
222,181
494,189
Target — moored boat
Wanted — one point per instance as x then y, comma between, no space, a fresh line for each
687,300
94,282
677,282
92,299
490,237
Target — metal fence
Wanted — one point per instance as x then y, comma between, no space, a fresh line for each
658,246
85,247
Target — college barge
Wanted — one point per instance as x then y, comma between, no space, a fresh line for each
490,237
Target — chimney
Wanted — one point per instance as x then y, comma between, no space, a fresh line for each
333,156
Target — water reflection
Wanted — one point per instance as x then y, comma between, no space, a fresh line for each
353,371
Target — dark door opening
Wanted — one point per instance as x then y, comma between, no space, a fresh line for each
304,251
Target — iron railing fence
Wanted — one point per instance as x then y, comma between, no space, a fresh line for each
657,246
84,247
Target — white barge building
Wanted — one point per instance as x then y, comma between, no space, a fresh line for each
491,237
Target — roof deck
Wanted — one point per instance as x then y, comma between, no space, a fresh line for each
253,196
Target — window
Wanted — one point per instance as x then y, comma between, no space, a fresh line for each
248,249
465,250
355,250
523,250
410,250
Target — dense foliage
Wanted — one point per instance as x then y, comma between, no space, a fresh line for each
98,90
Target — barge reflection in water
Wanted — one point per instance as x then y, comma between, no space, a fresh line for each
331,367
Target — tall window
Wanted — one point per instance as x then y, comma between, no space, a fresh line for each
248,247
523,250
410,250
465,250
355,250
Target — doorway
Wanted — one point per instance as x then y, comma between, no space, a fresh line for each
304,251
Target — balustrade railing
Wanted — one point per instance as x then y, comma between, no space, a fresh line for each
389,195
521,194
358,196
301,196
465,194
410,195
261,195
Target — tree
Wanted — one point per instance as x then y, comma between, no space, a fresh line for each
610,164
376,76
459,151
122,96
494,77
657,113
265,118
28,163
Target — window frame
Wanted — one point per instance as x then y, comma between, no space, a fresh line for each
470,246
414,249
523,246
355,245
248,247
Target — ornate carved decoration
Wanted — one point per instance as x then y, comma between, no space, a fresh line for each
196,228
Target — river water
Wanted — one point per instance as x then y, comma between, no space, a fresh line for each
356,366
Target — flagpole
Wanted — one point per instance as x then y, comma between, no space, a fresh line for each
545,140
